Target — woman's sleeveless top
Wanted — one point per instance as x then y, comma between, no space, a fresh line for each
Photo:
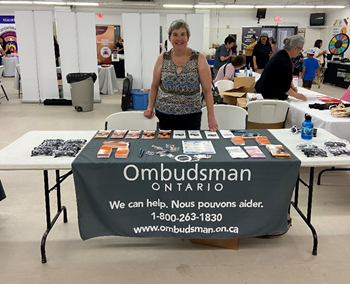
179,94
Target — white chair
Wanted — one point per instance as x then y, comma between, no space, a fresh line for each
224,85
2,68
265,114
227,116
130,120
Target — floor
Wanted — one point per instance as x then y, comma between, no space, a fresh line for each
286,259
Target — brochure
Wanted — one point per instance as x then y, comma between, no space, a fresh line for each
104,152
115,144
148,134
118,134
226,133
262,140
197,147
254,152
179,134
236,152
278,151
102,134
237,140
122,152
133,134
211,135
194,134
164,134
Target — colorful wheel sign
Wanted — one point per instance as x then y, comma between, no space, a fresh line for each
339,44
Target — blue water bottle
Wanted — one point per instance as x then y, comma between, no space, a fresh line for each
250,72
246,71
307,128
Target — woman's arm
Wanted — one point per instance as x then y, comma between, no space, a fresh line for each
205,79
296,95
149,112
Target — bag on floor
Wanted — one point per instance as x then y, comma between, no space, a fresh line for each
126,95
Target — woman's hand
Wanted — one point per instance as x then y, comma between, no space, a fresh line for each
255,67
149,113
301,97
213,125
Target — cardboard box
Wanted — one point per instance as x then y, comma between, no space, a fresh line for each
237,95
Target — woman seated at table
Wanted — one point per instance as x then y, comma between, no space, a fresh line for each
276,80
4,48
227,71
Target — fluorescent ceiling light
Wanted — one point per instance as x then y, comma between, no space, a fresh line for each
330,7
209,6
269,6
82,4
16,2
177,6
300,6
49,3
239,6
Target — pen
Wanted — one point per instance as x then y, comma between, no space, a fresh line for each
141,154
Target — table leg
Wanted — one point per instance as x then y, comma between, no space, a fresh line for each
331,169
307,219
50,223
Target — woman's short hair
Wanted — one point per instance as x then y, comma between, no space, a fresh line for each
178,24
318,43
293,41
238,61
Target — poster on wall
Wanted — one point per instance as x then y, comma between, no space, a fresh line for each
8,32
340,26
105,43
247,33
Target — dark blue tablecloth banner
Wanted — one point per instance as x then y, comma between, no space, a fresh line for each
156,196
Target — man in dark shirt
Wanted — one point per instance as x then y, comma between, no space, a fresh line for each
261,53
223,54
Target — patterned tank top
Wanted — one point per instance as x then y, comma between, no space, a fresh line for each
179,94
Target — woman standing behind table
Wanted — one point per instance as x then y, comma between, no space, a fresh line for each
249,52
175,90
276,80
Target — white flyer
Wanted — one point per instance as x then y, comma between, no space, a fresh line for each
211,135
226,133
198,147
179,134
194,134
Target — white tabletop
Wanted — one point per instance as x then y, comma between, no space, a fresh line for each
108,80
16,156
241,74
10,66
292,140
339,126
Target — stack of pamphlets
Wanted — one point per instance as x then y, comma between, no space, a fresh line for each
103,134
211,135
262,140
198,147
148,134
254,152
237,140
236,152
133,134
179,134
122,152
226,133
164,134
104,152
118,134
278,151
115,144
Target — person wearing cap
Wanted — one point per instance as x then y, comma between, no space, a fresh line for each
249,52
276,80
310,67
223,54
261,53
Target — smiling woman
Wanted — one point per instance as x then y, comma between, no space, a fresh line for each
175,90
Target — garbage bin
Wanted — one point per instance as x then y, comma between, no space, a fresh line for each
139,99
82,90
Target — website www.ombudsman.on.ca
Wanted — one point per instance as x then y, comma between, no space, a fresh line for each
189,229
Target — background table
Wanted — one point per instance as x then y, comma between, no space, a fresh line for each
108,80
335,74
339,126
10,66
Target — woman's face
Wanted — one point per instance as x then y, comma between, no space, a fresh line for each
1,40
179,38
320,44
252,40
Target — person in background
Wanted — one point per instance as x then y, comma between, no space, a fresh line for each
274,46
310,67
4,49
249,52
120,46
234,48
261,53
297,61
319,55
227,71
276,80
175,90
223,54
166,45
57,50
